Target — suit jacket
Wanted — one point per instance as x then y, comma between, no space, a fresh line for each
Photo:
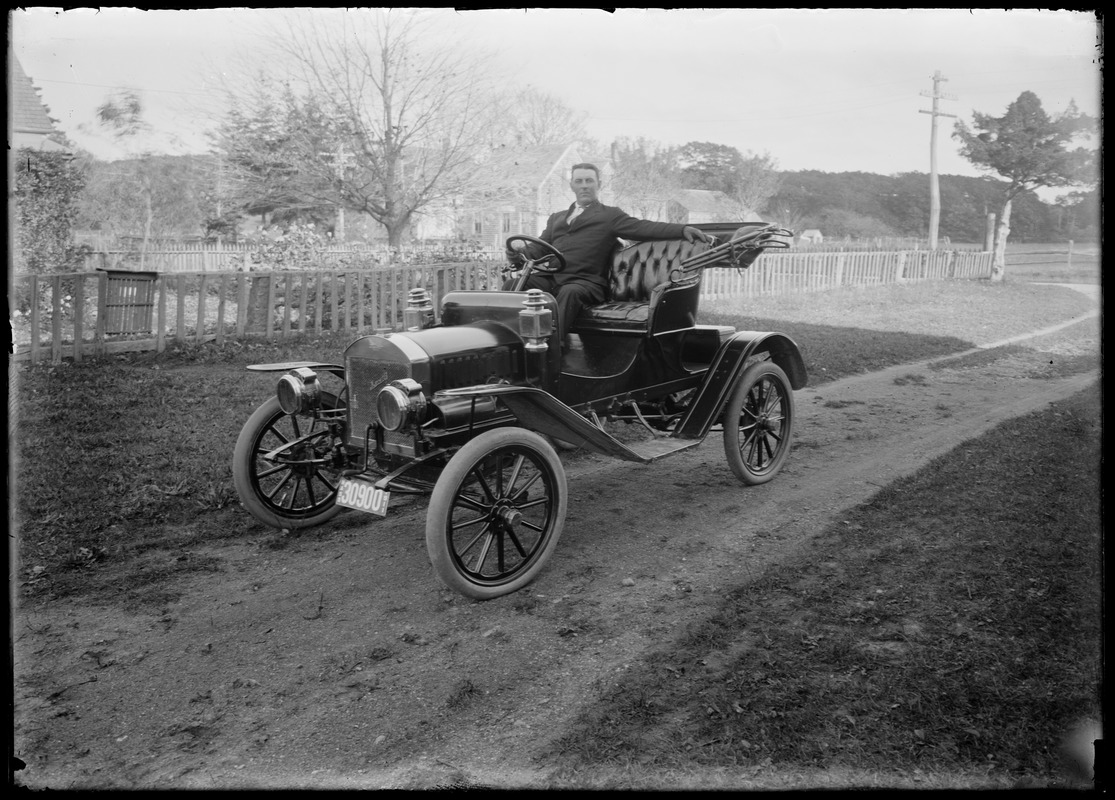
589,243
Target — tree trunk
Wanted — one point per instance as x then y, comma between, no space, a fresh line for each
999,259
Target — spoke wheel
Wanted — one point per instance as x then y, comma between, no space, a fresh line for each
759,423
496,513
296,489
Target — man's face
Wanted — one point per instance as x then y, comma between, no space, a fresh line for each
585,185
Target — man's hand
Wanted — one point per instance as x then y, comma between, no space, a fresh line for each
692,234
518,245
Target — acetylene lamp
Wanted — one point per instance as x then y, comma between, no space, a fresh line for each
419,312
536,322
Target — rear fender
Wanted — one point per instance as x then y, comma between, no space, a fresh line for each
727,366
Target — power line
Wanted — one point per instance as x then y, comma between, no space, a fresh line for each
121,88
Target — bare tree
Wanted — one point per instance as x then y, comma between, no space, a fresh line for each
645,175
757,180
122,114
408,118
534,117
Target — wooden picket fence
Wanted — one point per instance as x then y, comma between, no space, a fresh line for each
91,313
787,272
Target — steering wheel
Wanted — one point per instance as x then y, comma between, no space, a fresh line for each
550,255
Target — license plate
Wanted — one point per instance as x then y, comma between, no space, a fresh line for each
363,496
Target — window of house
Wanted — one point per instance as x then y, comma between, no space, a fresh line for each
507,222
477,227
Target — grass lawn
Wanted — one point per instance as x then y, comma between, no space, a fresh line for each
905,647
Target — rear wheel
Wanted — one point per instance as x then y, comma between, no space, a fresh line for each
297,486
759,423
496,513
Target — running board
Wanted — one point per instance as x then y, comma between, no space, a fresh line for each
540,411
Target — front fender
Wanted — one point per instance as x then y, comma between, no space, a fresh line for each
286,366
727,366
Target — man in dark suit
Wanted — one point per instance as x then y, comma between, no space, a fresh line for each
586,234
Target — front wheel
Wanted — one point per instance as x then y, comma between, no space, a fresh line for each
759,423
496,513
296,487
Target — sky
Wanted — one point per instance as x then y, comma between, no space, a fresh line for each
826,89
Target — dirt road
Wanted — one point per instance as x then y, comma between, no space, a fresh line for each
340,661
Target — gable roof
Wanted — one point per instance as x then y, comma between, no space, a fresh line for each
529,165
29,122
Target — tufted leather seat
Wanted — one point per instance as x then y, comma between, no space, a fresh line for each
640,280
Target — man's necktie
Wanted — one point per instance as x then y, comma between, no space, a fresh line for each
576,213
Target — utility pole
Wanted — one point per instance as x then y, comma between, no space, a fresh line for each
934,187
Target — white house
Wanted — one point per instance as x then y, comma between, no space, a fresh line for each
690,206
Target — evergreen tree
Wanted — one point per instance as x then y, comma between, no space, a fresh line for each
1031,150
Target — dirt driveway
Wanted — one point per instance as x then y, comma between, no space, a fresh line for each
340,661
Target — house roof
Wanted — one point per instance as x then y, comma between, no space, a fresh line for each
29,122
701,199
27,113
528,165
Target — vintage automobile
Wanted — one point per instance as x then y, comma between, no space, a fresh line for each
472,405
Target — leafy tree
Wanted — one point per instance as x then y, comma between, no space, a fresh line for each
750,181
1031,150
276,158
409,118
707,165
842,222
172,200
1078,215
45,195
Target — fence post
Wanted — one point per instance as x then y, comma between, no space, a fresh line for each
102,314
202,301
56,319
180,319
223,288
303,310
79,316
360,302
319,300
160,334
242,301
35,321
270,310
